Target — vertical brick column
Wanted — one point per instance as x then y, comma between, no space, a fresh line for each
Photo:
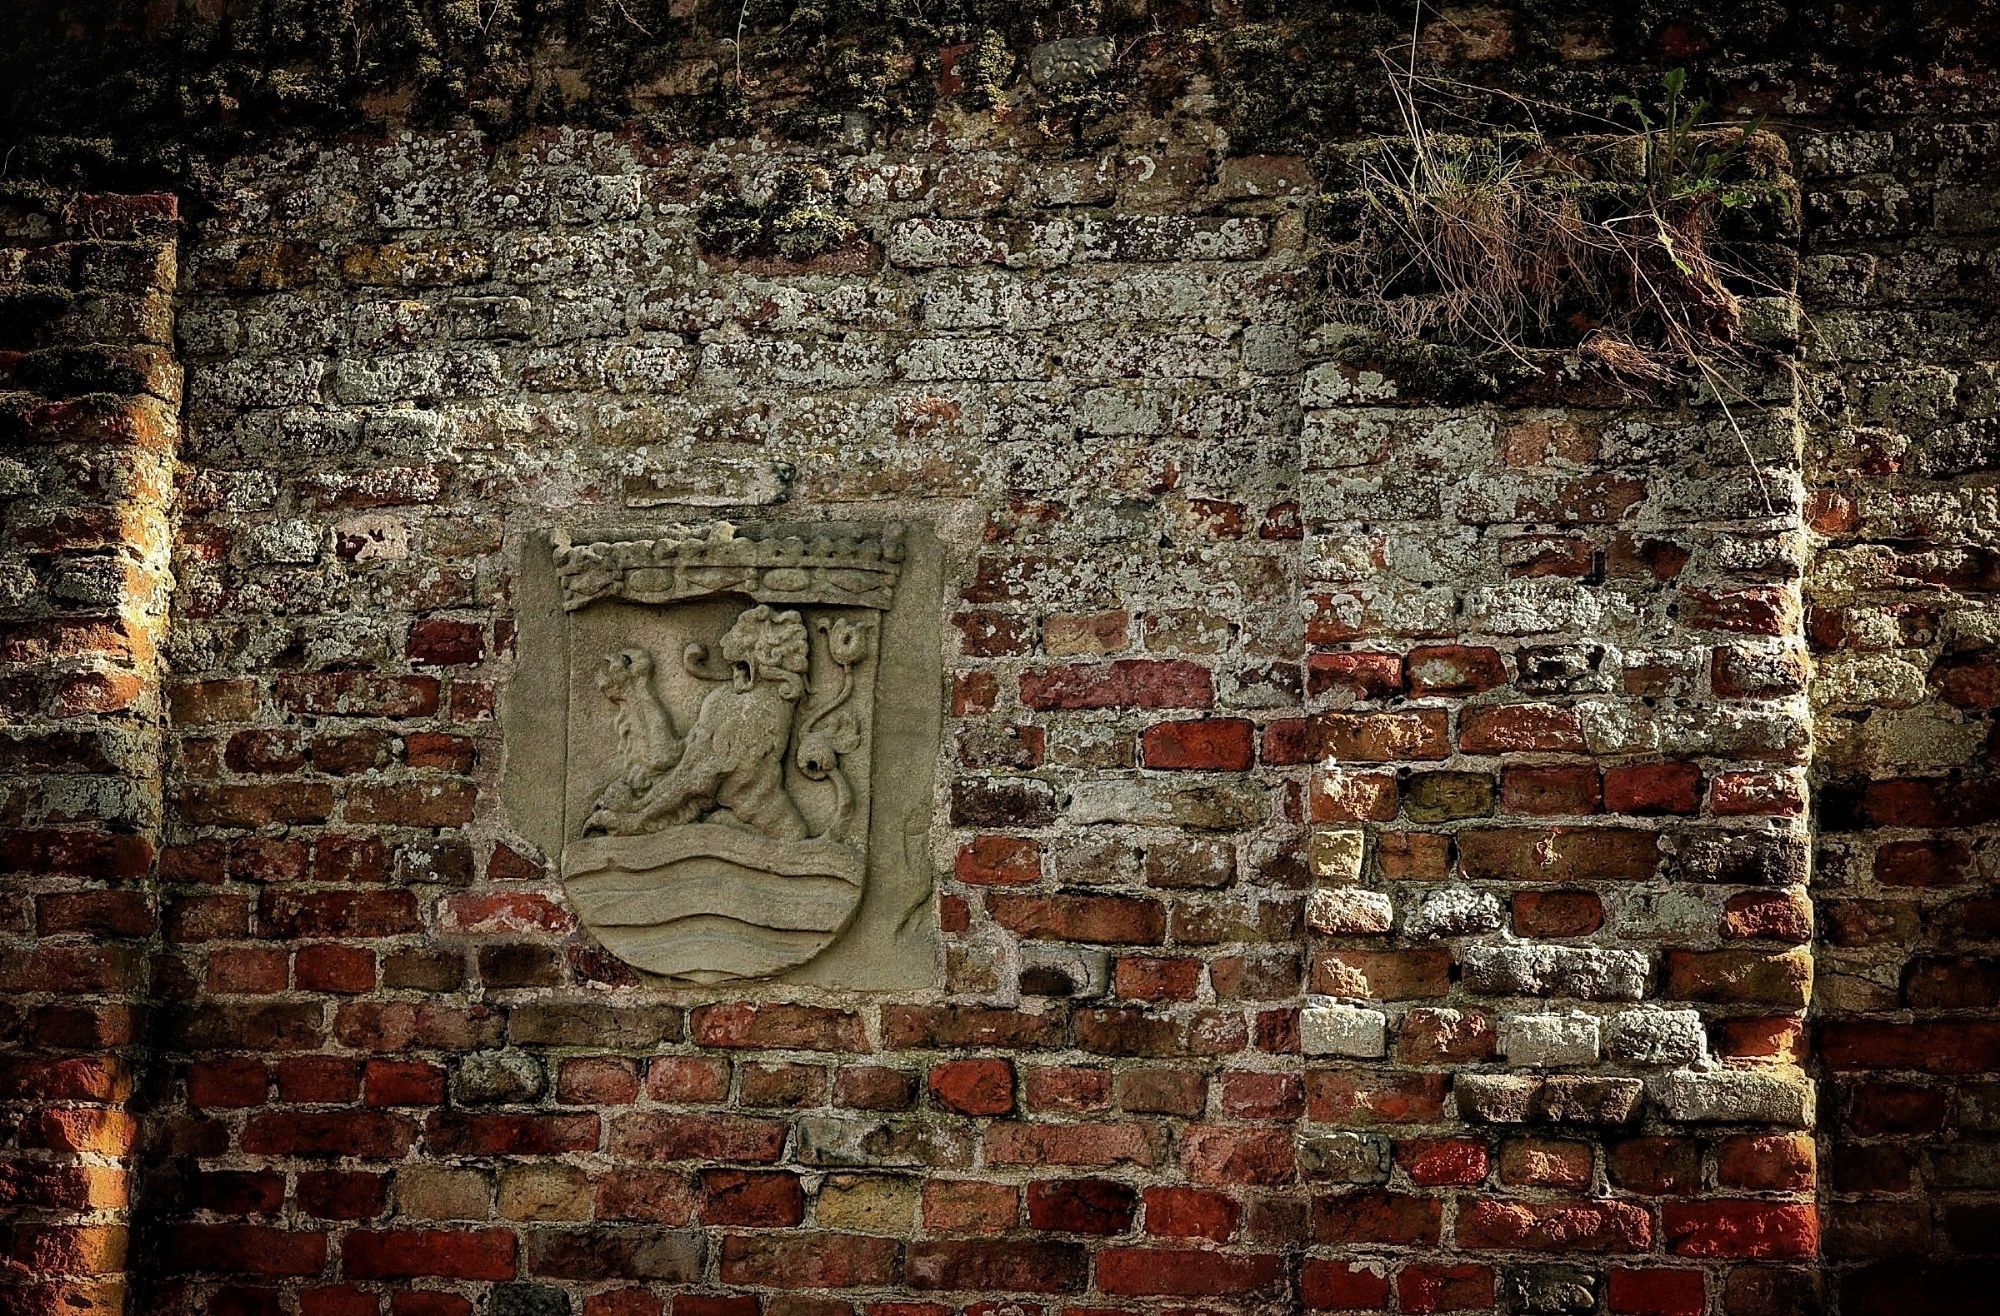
89,398
1903,590
1554,1021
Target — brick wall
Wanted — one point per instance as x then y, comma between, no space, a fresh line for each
89,407
1389,836
1559,972
391,1063
1905,682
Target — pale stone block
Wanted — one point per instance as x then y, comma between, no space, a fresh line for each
1336,856
1547,1040
1732,1096
1343,1030
1349,911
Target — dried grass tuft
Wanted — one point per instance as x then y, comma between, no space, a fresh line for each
1503,243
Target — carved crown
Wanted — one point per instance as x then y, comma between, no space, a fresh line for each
825,564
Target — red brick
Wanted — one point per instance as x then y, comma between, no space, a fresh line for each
1159,1090
1353,676
342,1301
1286,742
598,1081
1776,915
1773,1163
1454,669
905,1027
694,1304
1658,1167
1656,1292
1741,1229
1970,681
403,1083
1557,913
658,1197
624,1302
1222,744
329,1133
971,1207
1067,1088
1559,1226
1782,1038
794,1027
1161,1272
1326,1285
1377,1216
999,861
966,1206
766,1198
808,1261
342,1195
1382,975
458,1133
1081,1206
445,641
1153,978
235,1249
1432,1162
1425,1288
687,1079
1752,610
1367,1097
221,1084
1413,856
659,1136
1224,1154
1091,1145
487,1254
1521,728
873,1087
1550,790
994,1266
1381,737
1935,862
314,1080
246,969
1740,977
1258,1095
434,751
1126,683
1558,854
334,968
1104,920
974,1087
1648,789
1757,794
1191,1213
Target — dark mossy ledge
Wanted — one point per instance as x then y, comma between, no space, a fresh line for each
140,94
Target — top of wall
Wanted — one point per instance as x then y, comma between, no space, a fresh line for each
156,91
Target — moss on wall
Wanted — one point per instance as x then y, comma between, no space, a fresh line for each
125,92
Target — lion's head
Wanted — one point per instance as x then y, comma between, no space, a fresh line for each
764,645
623,672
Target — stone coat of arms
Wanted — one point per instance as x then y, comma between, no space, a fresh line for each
722,742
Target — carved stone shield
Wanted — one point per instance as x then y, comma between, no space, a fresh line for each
721,719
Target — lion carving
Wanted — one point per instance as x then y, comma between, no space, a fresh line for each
647,747
731,768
